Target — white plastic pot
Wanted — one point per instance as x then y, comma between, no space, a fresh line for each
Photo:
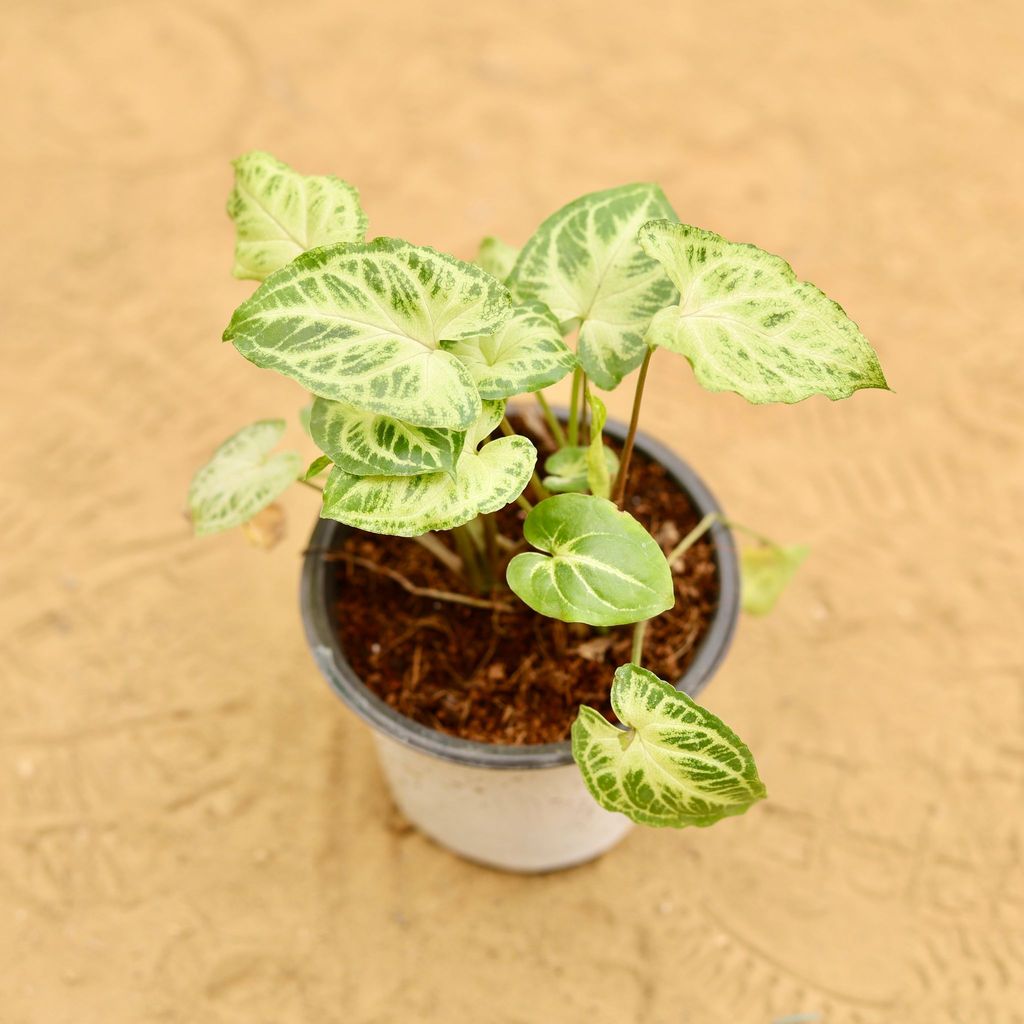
518,808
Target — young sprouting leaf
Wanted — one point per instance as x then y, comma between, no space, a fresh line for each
765,572
747,324
526,354
602,566
496,257
241,478
598,479
364,324
676,765
279,214
567,469
316,467
368,444
585,263
407,506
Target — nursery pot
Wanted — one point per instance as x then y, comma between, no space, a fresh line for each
520,808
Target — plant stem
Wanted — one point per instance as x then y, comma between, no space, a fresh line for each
470,556
524,503
619,491
491,543
309,483
538,488
574,404
637,656
694,535
433,544
549,417
585,419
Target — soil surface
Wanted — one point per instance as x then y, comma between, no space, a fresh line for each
510,676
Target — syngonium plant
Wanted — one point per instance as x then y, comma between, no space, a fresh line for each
411,355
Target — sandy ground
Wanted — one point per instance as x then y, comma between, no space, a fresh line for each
192,830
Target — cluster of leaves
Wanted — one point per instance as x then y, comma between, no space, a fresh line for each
410,356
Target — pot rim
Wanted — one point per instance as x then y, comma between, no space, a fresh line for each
330,656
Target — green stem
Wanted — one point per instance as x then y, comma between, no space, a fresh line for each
584,414
470,555
619,491
574,405
538,488
491,543
440,552
694,535
524,503
309,483
637,656
549,418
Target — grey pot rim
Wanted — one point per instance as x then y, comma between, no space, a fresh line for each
330,656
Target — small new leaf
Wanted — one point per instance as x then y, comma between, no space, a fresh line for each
598,478
496,257
765,572
602,566
279,214
368,444
241,478
526,354
677,765
364,324
316,467
585,264
568,469
747,324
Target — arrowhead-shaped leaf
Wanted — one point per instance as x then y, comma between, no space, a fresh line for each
407,506
677,765
603,567
747,324
526,354
585,264
279,214
568,469
497,257
598,479
364,324
368,444
765,572
242,478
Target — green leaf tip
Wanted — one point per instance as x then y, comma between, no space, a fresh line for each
496,257
746,323
677,765
765,572
599,565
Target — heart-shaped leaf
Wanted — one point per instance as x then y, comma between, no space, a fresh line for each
585,264
407,506
598,479
747,324
603,567
765,572
279,214
568,469
526,354
368,444
677,765
242,478
496,257
364,324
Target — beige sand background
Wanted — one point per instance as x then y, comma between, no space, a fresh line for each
193,830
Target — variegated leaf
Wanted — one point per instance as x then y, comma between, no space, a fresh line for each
241,478
747,324
598,478
568,469
765,571
496,257
407,506
364,324
279,214
526,354
676,765
368,444
602,566
585,263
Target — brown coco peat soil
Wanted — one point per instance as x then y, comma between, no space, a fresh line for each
509,676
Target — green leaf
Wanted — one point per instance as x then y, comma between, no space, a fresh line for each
316,467
526,354
569,467
305,415
364,324
764,573
598,479
279,214
604,568
242,478
585,263
747,324
677,765
407,506
368,444
496,257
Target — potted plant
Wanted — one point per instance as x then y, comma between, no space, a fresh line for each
496,616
